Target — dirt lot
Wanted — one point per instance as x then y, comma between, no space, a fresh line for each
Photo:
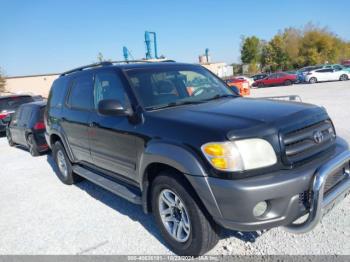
40,215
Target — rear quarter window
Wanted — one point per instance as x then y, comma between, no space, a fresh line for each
57,93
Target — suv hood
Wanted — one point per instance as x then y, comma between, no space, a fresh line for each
239,113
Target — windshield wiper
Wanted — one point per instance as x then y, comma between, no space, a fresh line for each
219,97
172,104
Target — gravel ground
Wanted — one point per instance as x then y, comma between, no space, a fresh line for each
40,215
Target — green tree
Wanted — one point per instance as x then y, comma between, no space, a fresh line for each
250,50
281,58
2,81
295,48
268,58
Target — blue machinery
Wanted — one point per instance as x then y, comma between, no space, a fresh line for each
207,54
126,53
148,43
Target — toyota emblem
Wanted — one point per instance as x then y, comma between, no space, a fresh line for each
318,137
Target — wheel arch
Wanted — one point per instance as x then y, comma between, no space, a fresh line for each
181,163
56,136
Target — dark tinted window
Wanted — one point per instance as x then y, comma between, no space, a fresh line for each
324,70
57,93
26,113
11,103
80,96
108,85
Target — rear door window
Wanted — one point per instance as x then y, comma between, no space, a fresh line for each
81,93
57,94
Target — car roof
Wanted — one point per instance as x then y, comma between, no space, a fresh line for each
35,104
13,96
127,66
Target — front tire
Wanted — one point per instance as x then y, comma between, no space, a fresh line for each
64,166
343,77
261,85
182,223
312,80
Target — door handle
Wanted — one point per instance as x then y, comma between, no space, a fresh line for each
93,124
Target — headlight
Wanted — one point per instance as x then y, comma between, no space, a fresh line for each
240,155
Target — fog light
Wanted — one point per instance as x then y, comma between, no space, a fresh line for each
260,208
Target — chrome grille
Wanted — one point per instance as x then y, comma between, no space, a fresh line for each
302,144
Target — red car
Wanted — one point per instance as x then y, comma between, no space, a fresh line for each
276,79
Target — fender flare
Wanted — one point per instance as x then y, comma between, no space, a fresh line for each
173,155
60,134
185,161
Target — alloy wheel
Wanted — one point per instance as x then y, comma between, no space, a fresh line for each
174,215
62,164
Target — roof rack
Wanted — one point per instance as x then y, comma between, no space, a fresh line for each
109,63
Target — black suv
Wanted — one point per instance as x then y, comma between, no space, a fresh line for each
27,128
198,156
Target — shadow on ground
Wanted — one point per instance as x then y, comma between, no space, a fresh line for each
136,213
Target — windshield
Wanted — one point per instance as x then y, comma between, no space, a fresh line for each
164,87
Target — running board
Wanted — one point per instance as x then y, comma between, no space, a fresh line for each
108,184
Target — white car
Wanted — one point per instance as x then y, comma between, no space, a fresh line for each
326,74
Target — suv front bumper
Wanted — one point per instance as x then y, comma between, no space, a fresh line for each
231,202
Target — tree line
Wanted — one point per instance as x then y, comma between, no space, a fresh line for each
293,48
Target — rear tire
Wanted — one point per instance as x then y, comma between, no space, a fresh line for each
288,83
64,166
343,77
313,80
32,146
199,234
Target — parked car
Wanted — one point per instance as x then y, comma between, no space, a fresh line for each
301,73
241,85
276,79
198,161
27,128
337,67
326,74
258,77
8,105
248,79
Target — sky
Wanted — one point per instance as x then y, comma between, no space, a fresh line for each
50,36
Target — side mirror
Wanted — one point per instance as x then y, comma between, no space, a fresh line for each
112,107
235,90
